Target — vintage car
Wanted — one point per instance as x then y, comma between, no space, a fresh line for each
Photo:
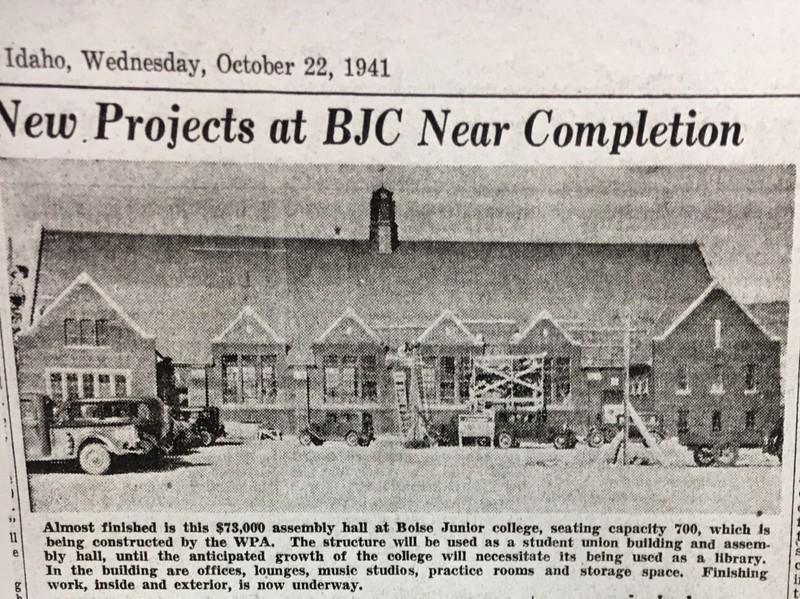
201,423
353,427
718,446
93,431
614,421
513,427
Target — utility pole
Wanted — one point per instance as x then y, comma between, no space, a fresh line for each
626,388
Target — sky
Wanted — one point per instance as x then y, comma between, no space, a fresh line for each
742,216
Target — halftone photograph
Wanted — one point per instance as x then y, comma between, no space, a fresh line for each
216,337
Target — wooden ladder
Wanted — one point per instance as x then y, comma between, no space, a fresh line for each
401,393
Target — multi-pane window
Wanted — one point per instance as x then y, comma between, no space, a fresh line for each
87,384
230,379
350,379
447,379
750,377
369,378
464,377
749,420
332,377
71,332
104,385
269,380
101,330
73,389
86,332
88,336
249,378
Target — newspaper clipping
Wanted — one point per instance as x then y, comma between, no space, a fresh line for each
304,302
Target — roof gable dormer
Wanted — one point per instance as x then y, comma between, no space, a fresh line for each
249,328
448,329
81,289
543,328
349,329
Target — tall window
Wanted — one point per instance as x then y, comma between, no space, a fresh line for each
249,380
88,336
102,333
230,379
683,421
87,381
465,378
71,333
718,334
716,421
717,385
104,385
447,379
557,384
750,377
562,385
269,380
350,379
682,379
369,376
749,420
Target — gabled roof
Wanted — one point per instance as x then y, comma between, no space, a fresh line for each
714,286
349,314
451,316
249,312
542,316
85,279
182,287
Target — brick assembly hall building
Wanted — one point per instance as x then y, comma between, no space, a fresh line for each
261,326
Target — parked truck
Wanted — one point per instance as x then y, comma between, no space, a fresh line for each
93,432
719,446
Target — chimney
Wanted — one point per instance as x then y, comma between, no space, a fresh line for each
382,224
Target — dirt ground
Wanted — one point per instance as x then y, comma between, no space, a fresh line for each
244,474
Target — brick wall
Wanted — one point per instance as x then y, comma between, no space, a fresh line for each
692,344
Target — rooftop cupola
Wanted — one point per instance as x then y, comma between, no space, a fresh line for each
382,223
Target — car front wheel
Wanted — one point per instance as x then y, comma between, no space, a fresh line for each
94,458
505,440
595,439
560,441
703,456
351,438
